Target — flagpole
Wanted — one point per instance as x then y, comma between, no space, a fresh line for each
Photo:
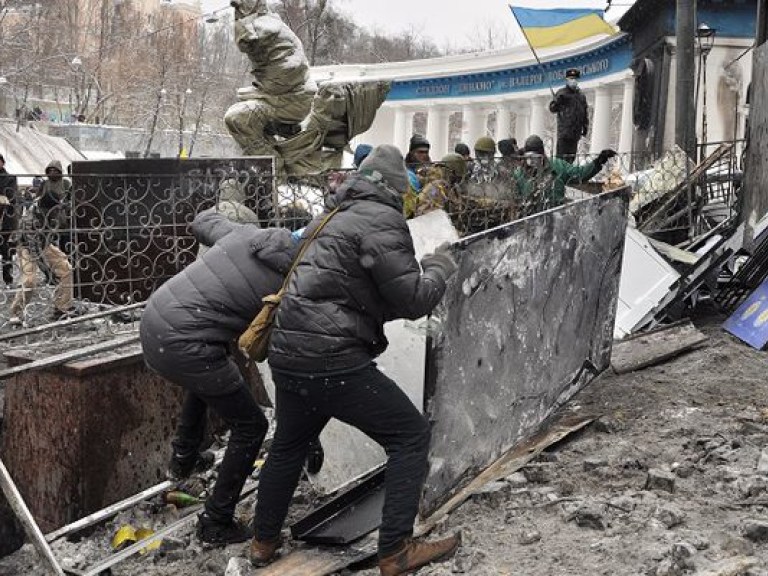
535,55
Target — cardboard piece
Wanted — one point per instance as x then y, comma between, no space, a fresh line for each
749,322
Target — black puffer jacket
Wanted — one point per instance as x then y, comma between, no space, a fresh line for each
360,272
572,113
215,298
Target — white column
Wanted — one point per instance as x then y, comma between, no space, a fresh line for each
437,131
401,133
539,113
522,124
626,138
474,119
503,120
601,120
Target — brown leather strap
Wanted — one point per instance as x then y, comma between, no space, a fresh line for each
304,247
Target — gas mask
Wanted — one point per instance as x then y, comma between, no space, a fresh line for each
533,161
572,83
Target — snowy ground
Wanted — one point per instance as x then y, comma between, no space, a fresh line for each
697,426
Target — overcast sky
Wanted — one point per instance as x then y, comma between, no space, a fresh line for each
448,23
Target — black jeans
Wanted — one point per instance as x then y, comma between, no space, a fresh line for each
248,426
567,148
367,400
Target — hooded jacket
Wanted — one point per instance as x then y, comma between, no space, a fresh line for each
214,299
358,273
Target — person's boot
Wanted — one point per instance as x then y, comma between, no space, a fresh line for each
416,553
182,467
263,552
218,533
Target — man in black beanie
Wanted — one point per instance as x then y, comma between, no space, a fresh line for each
418,152
359,272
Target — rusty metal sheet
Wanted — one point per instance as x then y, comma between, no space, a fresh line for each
101,431
525,324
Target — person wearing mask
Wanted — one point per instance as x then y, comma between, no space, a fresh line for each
8,200
55,199
572,111
37,245
359,272
187,329
541,181
484,168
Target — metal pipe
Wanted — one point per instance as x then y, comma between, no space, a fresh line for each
21,511
685,108
65,357
70,322
105,513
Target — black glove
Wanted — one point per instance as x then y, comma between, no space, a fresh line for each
441,262
604,156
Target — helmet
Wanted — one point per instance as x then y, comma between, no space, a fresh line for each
485,144
455,163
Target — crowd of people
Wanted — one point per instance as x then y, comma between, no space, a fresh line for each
495,183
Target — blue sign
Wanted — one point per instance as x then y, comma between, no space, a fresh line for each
605,60
750,322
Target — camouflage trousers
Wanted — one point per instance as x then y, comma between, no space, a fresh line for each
57,262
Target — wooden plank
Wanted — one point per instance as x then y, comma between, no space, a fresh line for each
517,458
655,347
312,561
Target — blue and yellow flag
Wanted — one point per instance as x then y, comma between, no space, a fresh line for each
545,28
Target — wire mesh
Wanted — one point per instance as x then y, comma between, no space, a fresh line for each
124,227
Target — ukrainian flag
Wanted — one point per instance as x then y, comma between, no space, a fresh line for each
545,28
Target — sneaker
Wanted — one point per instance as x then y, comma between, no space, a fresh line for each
263,552
415,553
217,533
181,468
315,457
15,321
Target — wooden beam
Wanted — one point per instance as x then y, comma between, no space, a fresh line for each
655,347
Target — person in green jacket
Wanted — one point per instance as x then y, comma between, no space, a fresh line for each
541,181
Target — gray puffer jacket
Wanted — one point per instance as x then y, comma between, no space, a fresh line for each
360,272
214,299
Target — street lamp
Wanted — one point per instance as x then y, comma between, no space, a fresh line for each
705,36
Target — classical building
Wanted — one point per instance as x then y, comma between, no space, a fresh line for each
629,80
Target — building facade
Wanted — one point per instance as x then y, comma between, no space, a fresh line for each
629,80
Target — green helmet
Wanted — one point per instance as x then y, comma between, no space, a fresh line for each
485,144
456,164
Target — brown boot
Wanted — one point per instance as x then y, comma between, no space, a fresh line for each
262,553
416,554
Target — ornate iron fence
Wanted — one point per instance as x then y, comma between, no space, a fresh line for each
125,225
